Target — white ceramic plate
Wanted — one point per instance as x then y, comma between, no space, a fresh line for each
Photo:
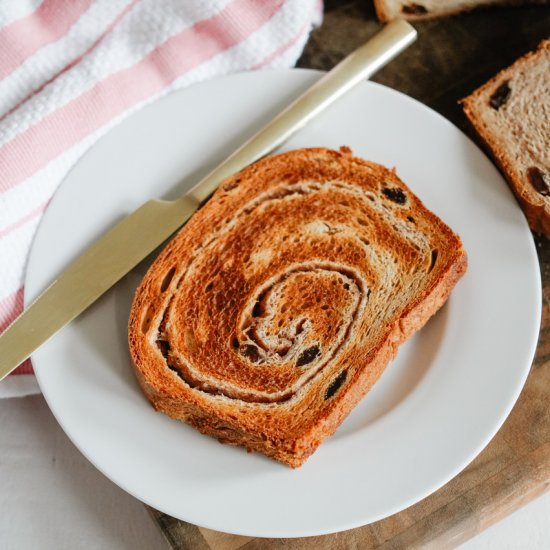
434,409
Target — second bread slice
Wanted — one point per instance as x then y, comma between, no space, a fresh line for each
511,114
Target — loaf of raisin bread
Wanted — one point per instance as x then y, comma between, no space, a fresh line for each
511,114
280,303
387,10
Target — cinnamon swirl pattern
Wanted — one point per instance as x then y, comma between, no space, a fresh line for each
277,307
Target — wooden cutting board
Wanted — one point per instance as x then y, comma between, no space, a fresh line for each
451,58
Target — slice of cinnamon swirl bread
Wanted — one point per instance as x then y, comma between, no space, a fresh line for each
278,306
511,114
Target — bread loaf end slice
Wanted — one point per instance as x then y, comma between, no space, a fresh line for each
387,10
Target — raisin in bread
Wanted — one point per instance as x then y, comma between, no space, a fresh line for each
387,10
280,303
511,114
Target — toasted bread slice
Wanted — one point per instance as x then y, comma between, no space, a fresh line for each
280,303
511,114
387,10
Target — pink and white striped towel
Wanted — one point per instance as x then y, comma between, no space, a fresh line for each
70,70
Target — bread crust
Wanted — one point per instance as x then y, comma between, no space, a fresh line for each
535,206
385,13
285,402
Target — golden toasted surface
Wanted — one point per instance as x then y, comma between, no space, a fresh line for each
279,304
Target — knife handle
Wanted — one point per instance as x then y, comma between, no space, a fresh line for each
359,65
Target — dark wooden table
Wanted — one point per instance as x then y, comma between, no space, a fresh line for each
451,58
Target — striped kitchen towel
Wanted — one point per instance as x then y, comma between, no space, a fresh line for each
70,70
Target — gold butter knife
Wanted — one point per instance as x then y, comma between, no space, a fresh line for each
112,256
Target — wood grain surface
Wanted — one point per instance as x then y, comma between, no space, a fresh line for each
451,58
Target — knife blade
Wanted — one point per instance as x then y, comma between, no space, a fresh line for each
128,242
